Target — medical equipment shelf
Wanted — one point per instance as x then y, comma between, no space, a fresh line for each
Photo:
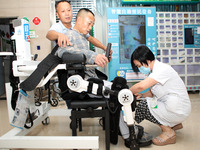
171,48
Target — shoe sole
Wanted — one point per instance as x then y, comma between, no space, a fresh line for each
145,144
171,140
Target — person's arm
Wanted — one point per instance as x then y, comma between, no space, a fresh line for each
91,56
143,95
101,60
147,94
62,39
143,85
52,35
96,43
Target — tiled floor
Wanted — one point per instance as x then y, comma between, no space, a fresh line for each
188,138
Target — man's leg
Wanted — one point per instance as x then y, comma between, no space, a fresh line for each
123,127
143,138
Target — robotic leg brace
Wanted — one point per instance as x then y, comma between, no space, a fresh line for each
125,98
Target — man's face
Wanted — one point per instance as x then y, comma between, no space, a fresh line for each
86,23
64,12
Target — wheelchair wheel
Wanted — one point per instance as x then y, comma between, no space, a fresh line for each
54,102
46,121
101,122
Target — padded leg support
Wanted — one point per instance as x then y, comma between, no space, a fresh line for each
44,66
115,107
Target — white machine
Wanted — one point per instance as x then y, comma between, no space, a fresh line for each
22,68
125,98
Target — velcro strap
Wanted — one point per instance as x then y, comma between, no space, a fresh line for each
140,132
90,85
99,90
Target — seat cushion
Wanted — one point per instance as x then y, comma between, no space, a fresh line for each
94,103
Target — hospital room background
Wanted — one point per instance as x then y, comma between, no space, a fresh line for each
170,28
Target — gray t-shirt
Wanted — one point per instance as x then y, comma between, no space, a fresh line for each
59,27
79,46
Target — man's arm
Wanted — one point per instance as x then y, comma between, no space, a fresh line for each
91,56
96,42
63,40
52,35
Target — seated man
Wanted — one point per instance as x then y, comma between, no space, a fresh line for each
84,23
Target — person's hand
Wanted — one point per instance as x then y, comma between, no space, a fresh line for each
111,52
63,40
101,60
139,95
110,56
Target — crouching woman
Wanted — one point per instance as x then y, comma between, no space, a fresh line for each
167,103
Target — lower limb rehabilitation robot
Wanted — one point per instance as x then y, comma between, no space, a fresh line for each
125,98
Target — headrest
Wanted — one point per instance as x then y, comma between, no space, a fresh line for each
69,58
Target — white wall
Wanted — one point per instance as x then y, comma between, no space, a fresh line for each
100,34
31,9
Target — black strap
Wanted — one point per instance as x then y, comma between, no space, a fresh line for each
101,75
99,90
114,108
14,81
54,49
47,64
31,120
14,97
89,89
82,95
140,132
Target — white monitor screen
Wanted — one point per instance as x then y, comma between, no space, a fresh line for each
132,34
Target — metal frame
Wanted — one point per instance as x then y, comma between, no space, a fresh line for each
16,138
22,68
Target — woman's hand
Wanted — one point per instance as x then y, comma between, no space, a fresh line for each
139,95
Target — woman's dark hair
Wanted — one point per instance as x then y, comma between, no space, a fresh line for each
142,54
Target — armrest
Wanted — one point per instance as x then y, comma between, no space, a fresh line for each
69,58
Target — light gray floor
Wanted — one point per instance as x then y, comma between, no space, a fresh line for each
188,138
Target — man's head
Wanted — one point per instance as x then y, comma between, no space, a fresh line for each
64,12
84,21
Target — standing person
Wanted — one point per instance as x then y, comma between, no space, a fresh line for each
56,32
167,103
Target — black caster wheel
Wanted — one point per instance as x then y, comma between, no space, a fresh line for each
46,121
54,102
